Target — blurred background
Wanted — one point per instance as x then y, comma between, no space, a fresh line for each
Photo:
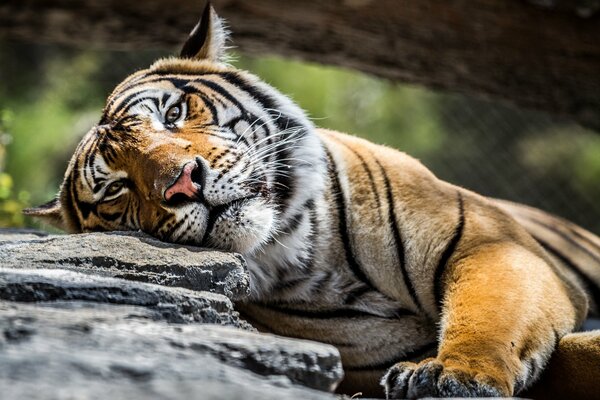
51,95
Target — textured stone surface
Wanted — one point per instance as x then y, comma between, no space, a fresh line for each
169,304
131,255
72,327
67,350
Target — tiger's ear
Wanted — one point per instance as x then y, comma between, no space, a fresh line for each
50,213
207,39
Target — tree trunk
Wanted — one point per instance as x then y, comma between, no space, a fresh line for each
544,55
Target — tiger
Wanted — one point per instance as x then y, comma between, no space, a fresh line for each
426,288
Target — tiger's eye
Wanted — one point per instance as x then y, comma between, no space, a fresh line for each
173,114
114,188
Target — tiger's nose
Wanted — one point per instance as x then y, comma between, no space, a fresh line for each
188,185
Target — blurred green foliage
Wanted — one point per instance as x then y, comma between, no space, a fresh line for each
11,202
52,95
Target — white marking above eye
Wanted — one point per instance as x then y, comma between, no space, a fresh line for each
114,177
121,192
157,113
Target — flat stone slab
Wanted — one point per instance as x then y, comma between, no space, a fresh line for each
124,316
75,349
129,255
170,304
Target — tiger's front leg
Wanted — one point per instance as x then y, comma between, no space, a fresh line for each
503,311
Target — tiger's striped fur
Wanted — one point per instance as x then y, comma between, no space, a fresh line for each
437,289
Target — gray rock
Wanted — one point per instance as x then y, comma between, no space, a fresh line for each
67,350
169,304
308,363
130,255
19,235
72,327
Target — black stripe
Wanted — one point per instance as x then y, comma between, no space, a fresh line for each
177,225
69,204
569,239
175,79
294,222
109,154
414,355
165,97
138,215
125,109
589,285
91,155
584,238
450,248
393,224
363,163
248,118
124,106
334,313
112,106
129,215
284,187
263,99
342,224
86,208
245,115
266,101
288,284
71,185
110,216
215,87
355,294
160,224
128,101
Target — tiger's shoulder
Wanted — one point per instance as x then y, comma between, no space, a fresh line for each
364,163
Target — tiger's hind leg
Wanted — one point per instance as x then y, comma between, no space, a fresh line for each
502,313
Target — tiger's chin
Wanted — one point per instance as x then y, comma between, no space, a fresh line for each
244,227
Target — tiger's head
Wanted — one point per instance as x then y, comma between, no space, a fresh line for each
192,151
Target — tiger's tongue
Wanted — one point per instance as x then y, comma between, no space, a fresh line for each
184,184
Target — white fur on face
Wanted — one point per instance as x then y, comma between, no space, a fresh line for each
244,227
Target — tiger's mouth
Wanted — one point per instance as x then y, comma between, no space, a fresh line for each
242,223
217,212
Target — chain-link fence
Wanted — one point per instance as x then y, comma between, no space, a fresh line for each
54,94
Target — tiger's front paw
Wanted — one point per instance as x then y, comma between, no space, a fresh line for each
431,378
